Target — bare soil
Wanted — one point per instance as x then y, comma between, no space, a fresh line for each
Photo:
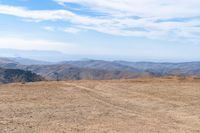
120,106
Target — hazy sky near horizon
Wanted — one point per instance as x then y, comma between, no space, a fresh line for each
145,29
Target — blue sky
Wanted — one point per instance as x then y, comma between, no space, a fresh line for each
146,30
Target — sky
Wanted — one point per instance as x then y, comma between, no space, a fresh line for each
145,30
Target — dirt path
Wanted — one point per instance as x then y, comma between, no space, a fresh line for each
103,100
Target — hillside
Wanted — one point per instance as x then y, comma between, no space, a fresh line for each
104,65
16,75
99,69
8,63
78,70
72,72
166,69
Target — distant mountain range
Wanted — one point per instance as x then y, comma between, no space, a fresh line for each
47,56
166,69
99,69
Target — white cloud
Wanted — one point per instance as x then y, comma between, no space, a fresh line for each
144,8
34,44
119,17
71,30
36,14
49,28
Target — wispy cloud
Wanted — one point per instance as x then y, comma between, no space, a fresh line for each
39,15
143,8
49,28
71,30
167,19
34,44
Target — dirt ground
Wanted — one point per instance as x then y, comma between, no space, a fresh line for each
121,106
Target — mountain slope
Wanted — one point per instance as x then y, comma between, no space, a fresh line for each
8,63
103,65
98,69
165,69
71,72
16,75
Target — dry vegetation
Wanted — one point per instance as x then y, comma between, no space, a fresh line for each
143,105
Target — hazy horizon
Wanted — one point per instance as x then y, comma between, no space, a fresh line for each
55,57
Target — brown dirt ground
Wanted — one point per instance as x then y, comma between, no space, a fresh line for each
121,106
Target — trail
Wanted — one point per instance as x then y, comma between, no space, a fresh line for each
139,112
90,92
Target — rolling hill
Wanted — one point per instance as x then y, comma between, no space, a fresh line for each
16,75
72,72
99,69
166,69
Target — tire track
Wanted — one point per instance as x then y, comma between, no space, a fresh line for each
143,115
91,93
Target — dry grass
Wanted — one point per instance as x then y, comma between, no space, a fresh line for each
143,105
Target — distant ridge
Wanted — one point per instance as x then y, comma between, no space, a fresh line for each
22,61
100,69
25,61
